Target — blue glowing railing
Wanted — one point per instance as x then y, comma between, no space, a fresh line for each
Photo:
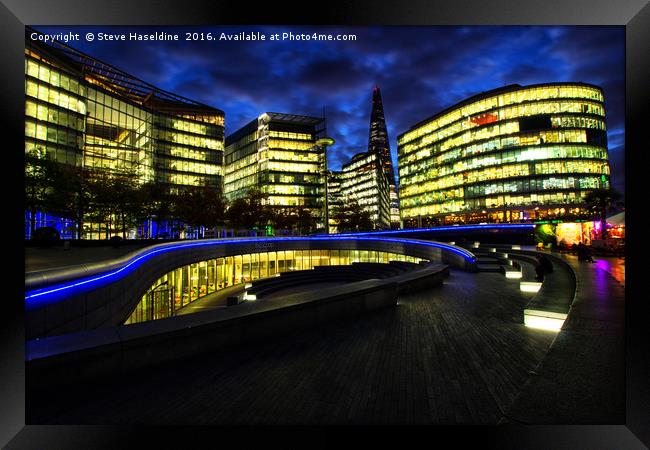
36,298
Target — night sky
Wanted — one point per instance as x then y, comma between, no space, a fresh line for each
420,70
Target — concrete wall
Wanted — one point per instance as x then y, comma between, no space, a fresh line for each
92,306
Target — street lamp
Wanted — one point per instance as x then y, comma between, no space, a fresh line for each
325,142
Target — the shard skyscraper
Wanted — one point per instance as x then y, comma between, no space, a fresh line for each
378,144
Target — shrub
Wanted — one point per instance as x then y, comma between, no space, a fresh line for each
46,236
116,241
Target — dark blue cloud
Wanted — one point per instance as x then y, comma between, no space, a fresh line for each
421,70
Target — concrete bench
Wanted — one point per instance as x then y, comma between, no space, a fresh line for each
113,351
424,278
512,270
347,273
550,306
266,289
355,272
406,264
530,281
380,269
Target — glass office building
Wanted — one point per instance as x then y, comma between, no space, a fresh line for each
394,208
334,201
364,180
83,112
279,155
517,153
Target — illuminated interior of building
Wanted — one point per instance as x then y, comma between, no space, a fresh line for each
379,144
334,201
513,154
83,112
189,283
278,154
364,180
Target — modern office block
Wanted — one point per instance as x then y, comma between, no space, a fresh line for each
364,180
81,111
280,155
512,154
334,200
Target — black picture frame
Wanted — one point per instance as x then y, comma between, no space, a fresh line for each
633,14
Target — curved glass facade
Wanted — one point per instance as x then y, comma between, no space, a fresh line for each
78,117
191,282
82,112
513,154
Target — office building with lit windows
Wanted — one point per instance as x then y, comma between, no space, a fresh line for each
364,180
334,201
279,154
517,153
84,112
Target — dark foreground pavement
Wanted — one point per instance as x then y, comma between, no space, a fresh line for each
456,354
590,389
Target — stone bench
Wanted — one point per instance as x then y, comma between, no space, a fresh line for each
550,306
112,351
275,286
429,276
346,273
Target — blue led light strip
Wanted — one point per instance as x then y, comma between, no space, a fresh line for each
54,292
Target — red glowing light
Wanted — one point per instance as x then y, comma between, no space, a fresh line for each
482,119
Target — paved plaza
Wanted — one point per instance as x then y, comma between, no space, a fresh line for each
457,354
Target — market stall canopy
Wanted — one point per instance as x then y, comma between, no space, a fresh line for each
617,219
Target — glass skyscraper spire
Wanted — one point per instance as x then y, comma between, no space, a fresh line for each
378,145
378,139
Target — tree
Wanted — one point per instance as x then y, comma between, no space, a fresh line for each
351,217
251,211
200,206
306,221
38,183
78,193
70,193
113,199
100,200
156,202
286,218
125,200
600,200
295,217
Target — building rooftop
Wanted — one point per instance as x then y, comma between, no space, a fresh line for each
295,118
360,156
492,93
275,117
